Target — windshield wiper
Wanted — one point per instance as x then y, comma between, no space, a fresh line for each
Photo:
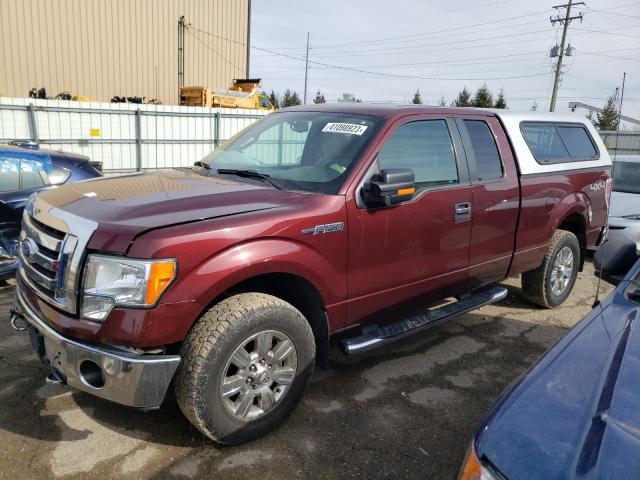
250,174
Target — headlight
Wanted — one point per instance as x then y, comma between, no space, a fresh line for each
114,281
472,469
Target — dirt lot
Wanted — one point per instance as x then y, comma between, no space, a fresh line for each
406,411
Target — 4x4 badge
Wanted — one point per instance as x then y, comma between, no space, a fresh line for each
326,228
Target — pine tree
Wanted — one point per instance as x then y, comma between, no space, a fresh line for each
417,99
590,116
534,106
442,103
290,98
500,101
319,98
463,99
608,119
273,98
483,97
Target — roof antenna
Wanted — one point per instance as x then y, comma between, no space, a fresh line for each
596,301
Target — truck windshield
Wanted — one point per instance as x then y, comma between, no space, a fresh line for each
626,177
308,151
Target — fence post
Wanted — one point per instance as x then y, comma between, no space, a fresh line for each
138,127
31,122
216,130
280,135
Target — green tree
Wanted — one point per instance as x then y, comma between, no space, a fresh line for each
443,102
463,99
417,99
319,98
273,98
290,98
483,97
500,101
608,119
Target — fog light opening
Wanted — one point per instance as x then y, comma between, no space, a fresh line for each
91,374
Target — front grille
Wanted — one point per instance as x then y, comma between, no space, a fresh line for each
52,247
42,258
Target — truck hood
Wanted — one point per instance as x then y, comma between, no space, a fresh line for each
124,207
575,414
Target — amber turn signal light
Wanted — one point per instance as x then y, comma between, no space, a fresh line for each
160,276
471,468
406,191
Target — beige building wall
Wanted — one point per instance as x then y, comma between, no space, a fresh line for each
103,48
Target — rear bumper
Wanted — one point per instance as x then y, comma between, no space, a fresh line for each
139,381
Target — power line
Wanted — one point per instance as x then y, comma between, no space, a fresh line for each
386,39
612,56
233,64
456,42
434,37
606,32
368,72
614,13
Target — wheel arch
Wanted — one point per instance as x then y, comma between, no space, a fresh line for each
575,219
293,289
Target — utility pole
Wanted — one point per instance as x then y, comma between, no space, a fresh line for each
565,22
181,29
306,70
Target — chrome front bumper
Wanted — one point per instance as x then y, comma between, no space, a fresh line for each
139,381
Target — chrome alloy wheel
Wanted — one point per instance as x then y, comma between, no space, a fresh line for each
258,375
562,271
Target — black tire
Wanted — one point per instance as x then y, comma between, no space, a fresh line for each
209,346
536,284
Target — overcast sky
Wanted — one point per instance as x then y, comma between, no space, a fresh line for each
450,45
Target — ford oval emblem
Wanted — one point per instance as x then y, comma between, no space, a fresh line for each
28,248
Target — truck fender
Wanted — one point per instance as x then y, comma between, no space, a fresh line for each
564,215
573,203
229,267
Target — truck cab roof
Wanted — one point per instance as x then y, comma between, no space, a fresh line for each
512,122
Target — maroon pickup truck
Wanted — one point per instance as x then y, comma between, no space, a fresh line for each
229,278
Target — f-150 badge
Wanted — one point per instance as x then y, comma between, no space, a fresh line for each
326,228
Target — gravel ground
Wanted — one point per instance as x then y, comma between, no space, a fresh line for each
404,411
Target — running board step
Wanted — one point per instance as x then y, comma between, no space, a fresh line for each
375,336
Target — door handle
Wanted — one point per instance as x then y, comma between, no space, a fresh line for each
462,212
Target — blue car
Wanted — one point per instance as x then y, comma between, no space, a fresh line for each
576,413
25,169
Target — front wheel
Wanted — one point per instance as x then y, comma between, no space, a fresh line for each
245,365
550,284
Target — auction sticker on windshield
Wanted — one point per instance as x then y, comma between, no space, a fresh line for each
350,128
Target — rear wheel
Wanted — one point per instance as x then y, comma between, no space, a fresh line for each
550,284
245,365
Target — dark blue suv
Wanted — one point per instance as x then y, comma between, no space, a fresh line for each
25,169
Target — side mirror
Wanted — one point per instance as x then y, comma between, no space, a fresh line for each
389,187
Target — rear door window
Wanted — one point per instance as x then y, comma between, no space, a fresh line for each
485,150
558,142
